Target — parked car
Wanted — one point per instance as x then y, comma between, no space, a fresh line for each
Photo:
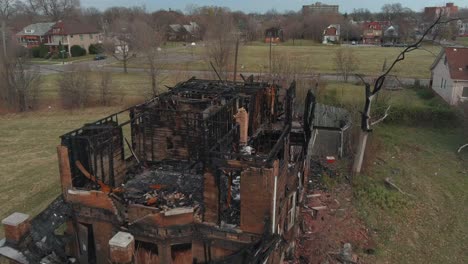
100,57
353,43
387,44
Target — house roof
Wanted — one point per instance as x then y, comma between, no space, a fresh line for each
332,30
377,25
457,62
72,27
37,29
175,27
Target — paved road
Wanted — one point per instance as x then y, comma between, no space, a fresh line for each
105,65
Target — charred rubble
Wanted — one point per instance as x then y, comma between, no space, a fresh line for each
208,172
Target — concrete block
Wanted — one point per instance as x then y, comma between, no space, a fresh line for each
16,227
122,248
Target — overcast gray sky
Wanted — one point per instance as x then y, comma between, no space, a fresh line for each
264,5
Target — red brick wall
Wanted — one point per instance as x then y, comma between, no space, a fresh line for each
256,197
210,197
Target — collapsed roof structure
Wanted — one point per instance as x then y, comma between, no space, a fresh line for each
208,172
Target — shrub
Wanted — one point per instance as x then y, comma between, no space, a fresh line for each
35,52
95,49
425,93
58,56
74,87
43,51
434,114
77,51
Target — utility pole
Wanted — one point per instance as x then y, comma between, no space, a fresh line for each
271,39
4,38
235,59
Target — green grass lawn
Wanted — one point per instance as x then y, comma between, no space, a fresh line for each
130,87
28,161
59,61
430,227
463,41
254,57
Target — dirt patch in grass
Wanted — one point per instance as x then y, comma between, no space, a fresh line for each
327,230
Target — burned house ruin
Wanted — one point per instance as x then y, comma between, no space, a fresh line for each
208,172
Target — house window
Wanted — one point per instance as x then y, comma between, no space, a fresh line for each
181,253
90,36
465,92
291,211
442,83
81,37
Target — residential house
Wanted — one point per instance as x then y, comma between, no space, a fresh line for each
274,35
214,173
178,32
34,35
462,28
391,35
433,12
373,31
319,8
69,33
450,75
331,34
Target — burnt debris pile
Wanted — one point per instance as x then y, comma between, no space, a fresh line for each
164,189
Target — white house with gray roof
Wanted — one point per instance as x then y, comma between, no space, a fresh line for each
35,34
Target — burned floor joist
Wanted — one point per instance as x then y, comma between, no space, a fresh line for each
213,172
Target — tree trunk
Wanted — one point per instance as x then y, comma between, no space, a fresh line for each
125,65
153,84
361,149
4,38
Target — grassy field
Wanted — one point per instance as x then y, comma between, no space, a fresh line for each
254,57
430,226
126,88
463,41
28,160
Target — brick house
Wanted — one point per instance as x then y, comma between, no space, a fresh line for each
331,34
372,32
274,35
211,173
178,32
34,35
431,13
449,75
70,33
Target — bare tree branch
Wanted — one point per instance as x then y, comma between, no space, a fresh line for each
461,148
383,117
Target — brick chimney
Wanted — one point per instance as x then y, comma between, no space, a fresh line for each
449,5
242,118
122,248
16,227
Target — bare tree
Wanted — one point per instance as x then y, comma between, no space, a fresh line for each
119,42
7,9
221,40
371,94
74,87
20,81
105,88
315,24
149,41
346,63
55,9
